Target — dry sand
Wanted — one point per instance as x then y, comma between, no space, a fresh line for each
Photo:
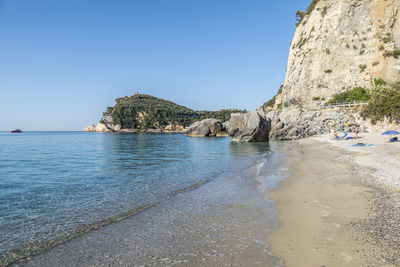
331,211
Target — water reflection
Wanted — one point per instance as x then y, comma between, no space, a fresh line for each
247,148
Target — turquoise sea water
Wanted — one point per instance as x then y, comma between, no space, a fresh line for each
57,185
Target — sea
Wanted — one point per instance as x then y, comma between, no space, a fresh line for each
137,199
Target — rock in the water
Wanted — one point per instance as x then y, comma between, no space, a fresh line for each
116,128
249,127
174,127
102,128
89,128
207,127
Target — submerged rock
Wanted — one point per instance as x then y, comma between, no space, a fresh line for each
249,127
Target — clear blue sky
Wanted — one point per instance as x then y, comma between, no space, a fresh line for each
63,62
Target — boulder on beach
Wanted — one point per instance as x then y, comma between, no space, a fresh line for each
249,127
207,127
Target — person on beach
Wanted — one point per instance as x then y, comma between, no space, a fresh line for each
335,135
356,131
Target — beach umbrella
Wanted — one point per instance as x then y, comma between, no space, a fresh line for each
390,133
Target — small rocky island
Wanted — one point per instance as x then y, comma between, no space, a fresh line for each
145,113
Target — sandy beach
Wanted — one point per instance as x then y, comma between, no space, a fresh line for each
340,207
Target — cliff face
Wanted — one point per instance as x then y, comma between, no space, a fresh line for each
340,45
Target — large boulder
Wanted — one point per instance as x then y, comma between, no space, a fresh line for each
276,124
207,127
290,115
249,127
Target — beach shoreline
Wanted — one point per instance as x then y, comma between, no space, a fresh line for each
225,221
333,209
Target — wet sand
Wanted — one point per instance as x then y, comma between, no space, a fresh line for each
326,211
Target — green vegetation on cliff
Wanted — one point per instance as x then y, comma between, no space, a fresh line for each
271,103
148,112
394,53
301,14
356,94
384,102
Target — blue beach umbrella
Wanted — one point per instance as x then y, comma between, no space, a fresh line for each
390,133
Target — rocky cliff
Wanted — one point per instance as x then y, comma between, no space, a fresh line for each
339,45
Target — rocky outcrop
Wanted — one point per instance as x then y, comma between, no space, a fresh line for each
340,45
207,127
174,127
293,123
102,128
242,127
249,127
89,128
99,128
107,122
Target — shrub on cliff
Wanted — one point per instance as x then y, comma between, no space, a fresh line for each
394,53
385,102
356,94
271,103
300,14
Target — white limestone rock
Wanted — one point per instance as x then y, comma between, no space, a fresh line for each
339,46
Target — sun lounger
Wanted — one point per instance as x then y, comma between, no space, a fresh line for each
353,137
361,144
340,137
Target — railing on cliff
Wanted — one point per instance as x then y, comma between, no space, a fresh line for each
344,104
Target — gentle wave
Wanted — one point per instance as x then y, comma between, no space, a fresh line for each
28,250
57,186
